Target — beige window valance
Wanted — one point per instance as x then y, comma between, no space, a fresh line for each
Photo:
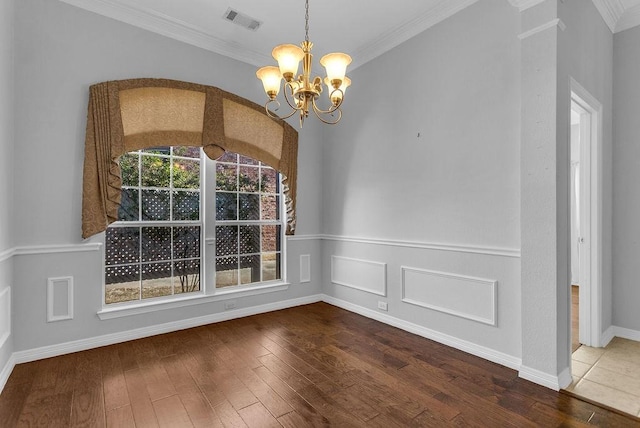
127,115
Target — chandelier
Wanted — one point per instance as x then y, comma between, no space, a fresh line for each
301,92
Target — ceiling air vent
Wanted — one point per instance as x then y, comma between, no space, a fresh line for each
241,19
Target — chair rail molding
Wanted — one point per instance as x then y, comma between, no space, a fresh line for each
473,249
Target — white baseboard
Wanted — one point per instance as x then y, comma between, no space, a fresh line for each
533,375
110,339
463,345
607,336
564,378
545,379
626,333
6,372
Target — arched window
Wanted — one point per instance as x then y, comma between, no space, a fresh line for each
144,175
136,114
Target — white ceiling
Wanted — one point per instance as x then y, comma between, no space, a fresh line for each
356,27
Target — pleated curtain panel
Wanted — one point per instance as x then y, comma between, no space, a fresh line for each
127,115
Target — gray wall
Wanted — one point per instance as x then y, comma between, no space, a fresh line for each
426,175
583,50
431,157
626,179
60,51
6,158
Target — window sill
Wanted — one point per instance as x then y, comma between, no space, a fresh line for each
220,295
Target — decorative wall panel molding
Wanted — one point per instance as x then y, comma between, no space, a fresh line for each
363,275
5,315
459,295
305,268
59,299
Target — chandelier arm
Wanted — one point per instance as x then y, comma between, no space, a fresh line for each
276,116
333,107
319,113
294,107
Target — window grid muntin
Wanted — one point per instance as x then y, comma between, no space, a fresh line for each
171,223
261,191
140,154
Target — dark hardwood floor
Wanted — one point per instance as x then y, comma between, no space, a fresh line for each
314,365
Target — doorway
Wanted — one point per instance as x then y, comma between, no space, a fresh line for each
585,208
575,237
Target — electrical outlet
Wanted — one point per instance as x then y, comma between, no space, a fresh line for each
231,304
382,306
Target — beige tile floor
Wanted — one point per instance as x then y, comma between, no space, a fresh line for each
610,375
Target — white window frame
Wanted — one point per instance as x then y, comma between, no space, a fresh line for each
211,240
208,291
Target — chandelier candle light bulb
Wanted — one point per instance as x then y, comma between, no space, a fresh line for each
301,91
288,57
270,77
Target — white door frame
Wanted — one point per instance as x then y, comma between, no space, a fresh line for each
590,303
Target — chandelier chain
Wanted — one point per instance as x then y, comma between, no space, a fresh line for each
306,21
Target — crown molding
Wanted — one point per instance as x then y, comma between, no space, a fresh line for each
179,30
170,27
615,15
387,41
612,11
629,19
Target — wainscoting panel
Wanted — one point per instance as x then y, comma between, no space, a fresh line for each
305,268
362,275
459,295
5,315
59,299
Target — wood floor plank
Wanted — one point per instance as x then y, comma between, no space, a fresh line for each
44,408
157,380
315,365
141,406
294,420
229,416
179,375
14,396
66,373
113,381
200,412
127,355
315,374
302,407
121,417
374,374
325,367
46,375
87,408
171,413
270,399
257,416
115,391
